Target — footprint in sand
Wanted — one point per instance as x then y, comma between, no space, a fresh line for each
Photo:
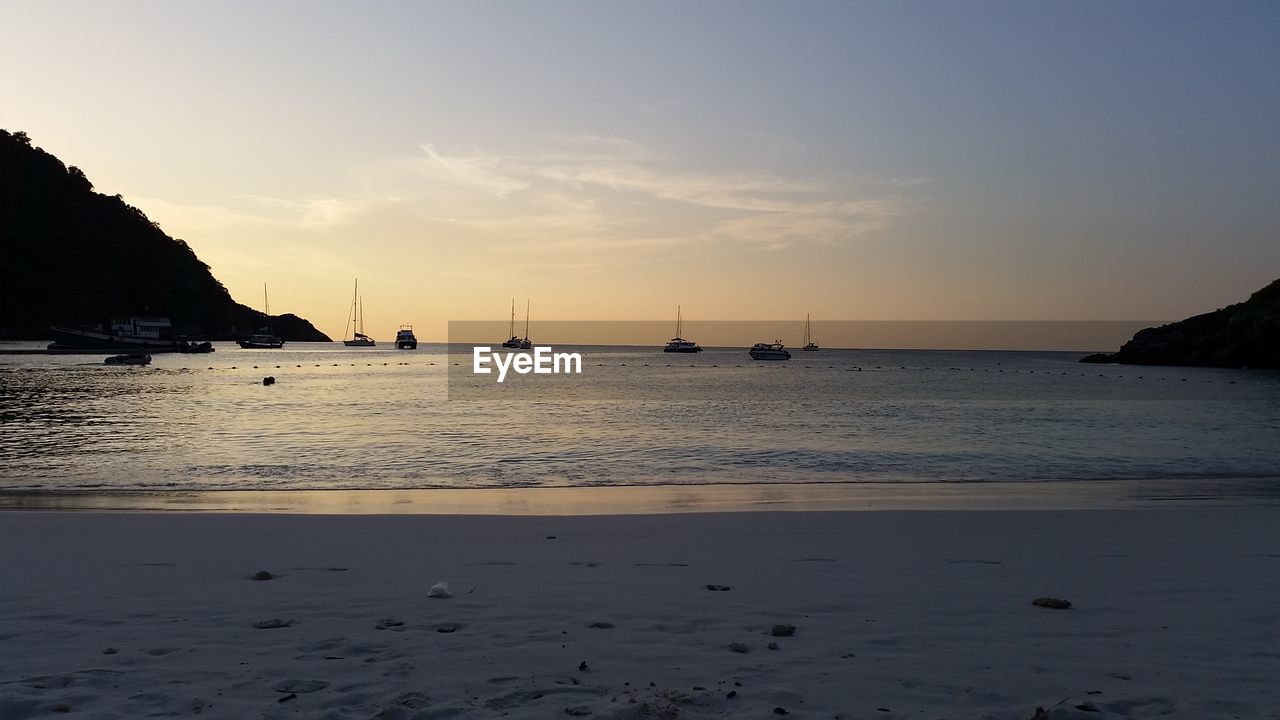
300,686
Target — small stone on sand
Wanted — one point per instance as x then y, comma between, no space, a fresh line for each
1052,602
783,630
739,648
718,588
262,575
601,625
272,624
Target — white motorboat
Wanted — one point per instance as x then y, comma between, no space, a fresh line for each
769,351
405,339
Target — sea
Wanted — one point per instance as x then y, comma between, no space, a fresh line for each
381,418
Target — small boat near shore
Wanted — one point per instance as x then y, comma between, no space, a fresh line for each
129,359
143,334
769,351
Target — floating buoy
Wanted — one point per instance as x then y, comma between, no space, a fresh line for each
268,380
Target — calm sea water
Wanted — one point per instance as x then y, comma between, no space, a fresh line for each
381,418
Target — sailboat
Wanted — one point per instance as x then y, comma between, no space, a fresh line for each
524,342
356,321
263,339
678,344
514,342
809,344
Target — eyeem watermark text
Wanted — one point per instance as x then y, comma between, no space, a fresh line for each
542,361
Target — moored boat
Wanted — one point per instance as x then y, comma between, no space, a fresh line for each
516,342
355,321
405,339
678,344
264,339
809,344
123,333
769,351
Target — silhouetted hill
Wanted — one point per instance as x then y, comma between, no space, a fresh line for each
1246,334
71,256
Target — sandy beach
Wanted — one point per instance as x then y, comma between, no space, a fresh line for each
896,615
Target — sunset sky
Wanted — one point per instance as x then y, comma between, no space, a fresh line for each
608,160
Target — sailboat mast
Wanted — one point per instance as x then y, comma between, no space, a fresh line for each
351,316
526,319
679,322
513,317
266,307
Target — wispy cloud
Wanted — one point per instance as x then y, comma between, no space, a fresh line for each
578,198
475,171
596,192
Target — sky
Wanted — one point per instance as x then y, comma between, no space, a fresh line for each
745,160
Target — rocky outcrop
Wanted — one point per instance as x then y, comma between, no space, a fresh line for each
70,256
1244,335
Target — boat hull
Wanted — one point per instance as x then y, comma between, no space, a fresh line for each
73,340
406,344
359,343
251,345
682,350
769,354
133,359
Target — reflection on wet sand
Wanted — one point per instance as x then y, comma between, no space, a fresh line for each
645,500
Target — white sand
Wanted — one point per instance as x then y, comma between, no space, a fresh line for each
899,615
